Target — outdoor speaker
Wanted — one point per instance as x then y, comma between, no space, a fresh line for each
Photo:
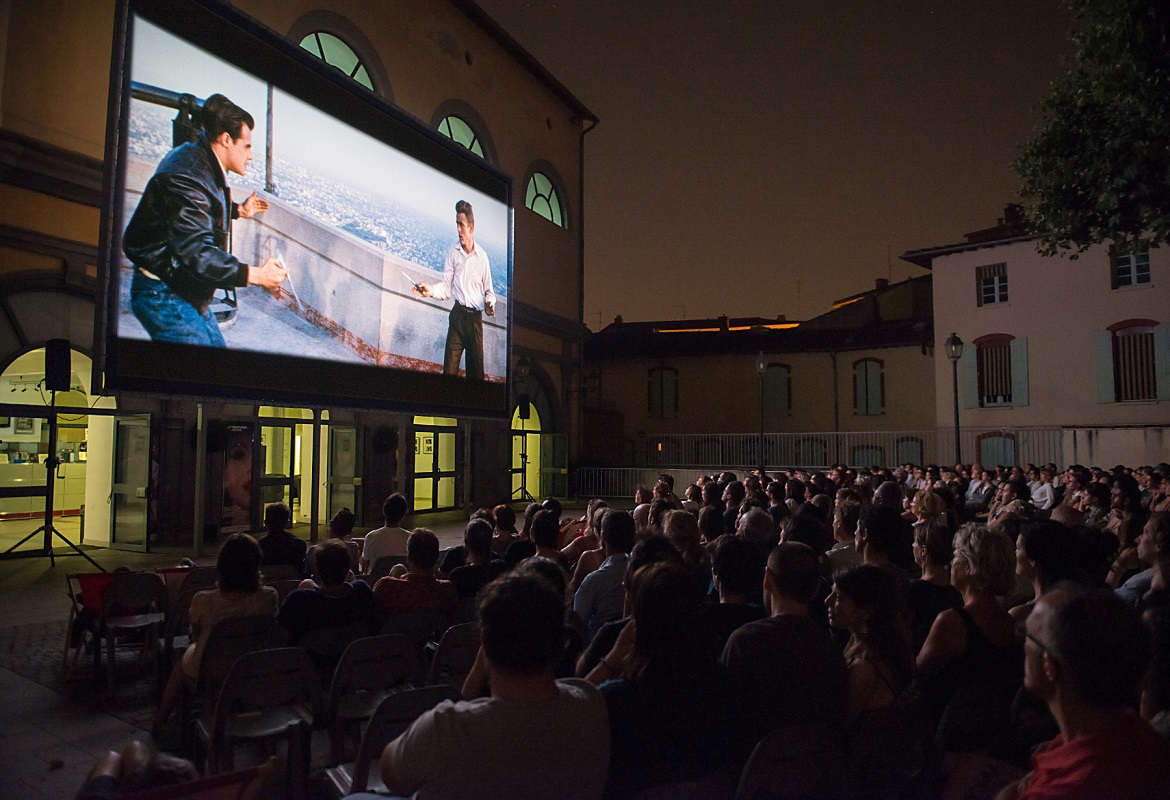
525,407
57,365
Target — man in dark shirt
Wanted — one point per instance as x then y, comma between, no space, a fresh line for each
336,605
178,236
786,668
280,546
480,568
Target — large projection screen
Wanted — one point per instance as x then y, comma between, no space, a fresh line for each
384,302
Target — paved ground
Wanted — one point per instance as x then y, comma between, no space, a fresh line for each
50,737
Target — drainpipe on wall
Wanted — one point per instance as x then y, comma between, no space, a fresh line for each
581,287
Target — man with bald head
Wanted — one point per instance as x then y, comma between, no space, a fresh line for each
901,549
1085,654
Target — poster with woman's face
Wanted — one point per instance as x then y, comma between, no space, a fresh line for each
237,479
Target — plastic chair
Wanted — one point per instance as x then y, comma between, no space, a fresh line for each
381,568
801,761
389,721
280,572
226,642
176,630
419,627
369,670
284,587
242,784
134,601
268,694
455,655
325,646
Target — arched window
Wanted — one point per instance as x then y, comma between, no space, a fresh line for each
336,53
459,131
543,197
869,388
342,45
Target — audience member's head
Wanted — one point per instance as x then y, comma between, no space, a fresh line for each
641,515
933,543
277,516
888,495
545,528
422,549
553,505
737,566
521,619
477,538
618,532
332,560
505,518
879,530
757,527
394,509
238,564
342,524
669,648
710,522
1085,646
793,572
1047,552
984,560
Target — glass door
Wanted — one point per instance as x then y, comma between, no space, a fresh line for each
129,501
277,482
434,463
344,482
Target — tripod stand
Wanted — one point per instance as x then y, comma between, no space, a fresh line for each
522,490
48,529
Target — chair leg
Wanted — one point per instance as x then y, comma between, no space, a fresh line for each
111,662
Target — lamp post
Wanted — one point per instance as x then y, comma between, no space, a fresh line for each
761,367
954,347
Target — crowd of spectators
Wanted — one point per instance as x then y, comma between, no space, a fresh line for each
951,631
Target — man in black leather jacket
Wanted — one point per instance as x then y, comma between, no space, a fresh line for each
178,236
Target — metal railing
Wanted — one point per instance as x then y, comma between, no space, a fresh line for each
687,455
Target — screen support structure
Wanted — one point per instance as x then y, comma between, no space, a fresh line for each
48,529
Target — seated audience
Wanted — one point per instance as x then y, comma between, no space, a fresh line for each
843,554
340,530
590,559
503,529
335,604
390,539
879,535
682,529
1046,554
279,546
534,736
932,594
786,669
600,598
590,536
879,665
418,589
667,699
970,662
238,593
1086,653
737,571
545,535
479,568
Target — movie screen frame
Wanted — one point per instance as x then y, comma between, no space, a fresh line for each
353,312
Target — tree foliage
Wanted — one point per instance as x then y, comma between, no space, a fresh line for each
1099,167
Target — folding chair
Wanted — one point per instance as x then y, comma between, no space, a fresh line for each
281,572
801,761
419,627
267,695
284,587
134,601
455,655
86,591
370,669
391,718
381,568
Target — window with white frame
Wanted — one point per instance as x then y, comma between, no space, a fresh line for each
1129,264
991,284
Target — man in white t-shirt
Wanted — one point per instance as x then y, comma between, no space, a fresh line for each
467,280
389,540
533,737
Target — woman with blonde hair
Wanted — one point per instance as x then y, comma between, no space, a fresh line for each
682,529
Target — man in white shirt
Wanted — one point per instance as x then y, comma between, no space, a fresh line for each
467,279
389,540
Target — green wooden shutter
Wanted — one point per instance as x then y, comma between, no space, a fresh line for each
1103,366
873,391
1019,355
1162,360
969,378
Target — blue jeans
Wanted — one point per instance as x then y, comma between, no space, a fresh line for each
168,317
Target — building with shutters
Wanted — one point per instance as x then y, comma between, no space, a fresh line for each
1075,351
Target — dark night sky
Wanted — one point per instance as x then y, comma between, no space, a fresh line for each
762,158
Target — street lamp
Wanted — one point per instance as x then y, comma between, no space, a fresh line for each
761,367
954,347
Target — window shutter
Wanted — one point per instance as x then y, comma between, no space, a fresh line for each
1113,266
1103,365
969,378
858,388
873,391
654,393
1019,351
1162,360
